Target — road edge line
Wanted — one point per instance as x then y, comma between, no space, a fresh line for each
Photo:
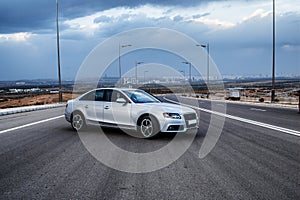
30,124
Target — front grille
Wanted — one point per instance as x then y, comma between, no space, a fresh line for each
188,117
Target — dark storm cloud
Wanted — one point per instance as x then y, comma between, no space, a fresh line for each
22,16
39,15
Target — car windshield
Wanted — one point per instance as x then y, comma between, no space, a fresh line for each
140,96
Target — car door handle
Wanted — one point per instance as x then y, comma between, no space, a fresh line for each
106,107
86,106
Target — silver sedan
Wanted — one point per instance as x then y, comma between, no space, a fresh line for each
129,109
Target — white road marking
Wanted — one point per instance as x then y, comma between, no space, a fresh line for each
30,124
257,109
264,125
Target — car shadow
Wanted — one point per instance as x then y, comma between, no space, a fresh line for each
127,134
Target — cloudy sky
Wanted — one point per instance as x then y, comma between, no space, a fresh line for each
239,33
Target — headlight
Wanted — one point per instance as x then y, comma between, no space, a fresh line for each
172,115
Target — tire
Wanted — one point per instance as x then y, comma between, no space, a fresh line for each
78,121
148,127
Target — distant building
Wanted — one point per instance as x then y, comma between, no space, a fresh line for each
20,83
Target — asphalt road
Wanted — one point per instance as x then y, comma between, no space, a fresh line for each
47,160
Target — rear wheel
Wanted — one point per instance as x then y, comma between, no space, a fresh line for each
148,126
78,121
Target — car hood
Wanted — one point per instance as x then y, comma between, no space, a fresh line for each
168,107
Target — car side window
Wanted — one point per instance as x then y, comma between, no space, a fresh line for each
107,95
88,97
99,96
115,95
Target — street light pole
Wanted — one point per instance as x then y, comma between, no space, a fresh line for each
58,56
183,72
190,70
145,76
136,76
273,57
120,62
299,101
121,46
207,78
207,46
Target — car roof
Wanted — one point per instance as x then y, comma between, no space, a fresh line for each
124,89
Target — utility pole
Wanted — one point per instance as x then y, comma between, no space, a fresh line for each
273,57
58,56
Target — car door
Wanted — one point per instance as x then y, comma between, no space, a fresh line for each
92,105
117,113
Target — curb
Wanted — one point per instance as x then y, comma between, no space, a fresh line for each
9,111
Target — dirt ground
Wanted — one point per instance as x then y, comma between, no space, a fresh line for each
34,100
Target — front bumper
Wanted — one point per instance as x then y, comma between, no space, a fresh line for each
187,121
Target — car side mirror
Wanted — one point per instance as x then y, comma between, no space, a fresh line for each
121,100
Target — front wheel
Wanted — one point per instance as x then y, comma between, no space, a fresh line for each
148,127
78,121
